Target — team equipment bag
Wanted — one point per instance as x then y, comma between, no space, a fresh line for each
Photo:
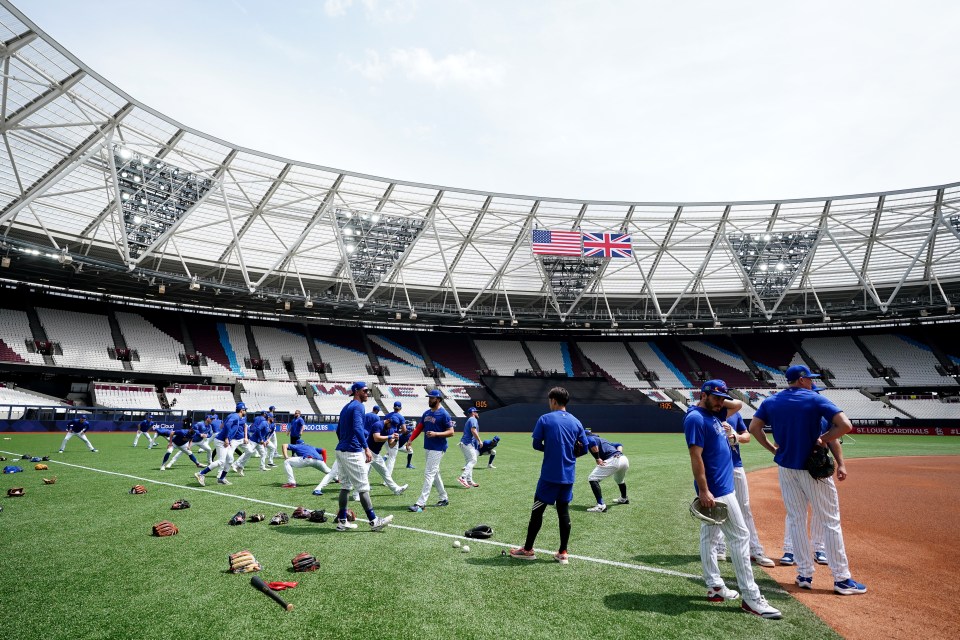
714,515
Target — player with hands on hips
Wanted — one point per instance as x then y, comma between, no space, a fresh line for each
796,416
470,445
711,461
610,462
234,430
398,424
303,455
180,440
143,429
296,428
436,427
77,427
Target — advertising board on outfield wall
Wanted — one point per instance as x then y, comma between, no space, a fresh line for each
908,431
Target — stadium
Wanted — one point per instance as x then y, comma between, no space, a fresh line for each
150,268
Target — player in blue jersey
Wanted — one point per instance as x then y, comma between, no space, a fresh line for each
232,433
489,448
398,424
734,427
436,427
202,435
796,415
555,434
77,427
297,456
258,436
144,429
610,462
712,465
353,456
295,428
378,435
470,444
270,439
180,439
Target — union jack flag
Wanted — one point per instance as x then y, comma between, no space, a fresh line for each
607,245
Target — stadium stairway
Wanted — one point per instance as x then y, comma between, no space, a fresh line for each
119,341
427,360
39,333
533,361
374,361
581,363
314,355
309,391
254,351
187,340
873,360
798,347
639,364
476,353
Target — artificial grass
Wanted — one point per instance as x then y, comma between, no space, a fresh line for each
79,560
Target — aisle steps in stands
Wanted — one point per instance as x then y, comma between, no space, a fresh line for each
422,349
314,356
534,366
874,362
640,368
254,351
581,363
809,361
188,346
374,361
118,340
476,353
39,333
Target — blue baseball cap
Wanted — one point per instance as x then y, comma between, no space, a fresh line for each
717,388
496,438
435,393
376,408
149,415
272,408
356,386
798,371
472,410
817,388
397,405
240,406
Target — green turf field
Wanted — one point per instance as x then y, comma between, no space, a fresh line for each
78,560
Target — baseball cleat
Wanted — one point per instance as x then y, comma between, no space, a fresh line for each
804,582
763,561
400,489
760,607
223,481
490,466
344,525
162,468
200,478
238,470
463,482
787,560
60,451
409,466
562,557
94,451
379,524
289,485
600,508
317,492
622,500
820,557
721,593
522,554
443,503
849,587
416,508
473,484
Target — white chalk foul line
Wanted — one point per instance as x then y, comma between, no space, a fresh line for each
612,563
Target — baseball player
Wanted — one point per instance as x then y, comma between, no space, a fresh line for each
270,431
398,424
816,524
353,455
795,415
470,444
379,434
296,428
180,440
233,431
712,465
258,439
555,434
143,429
202,435
610,462
733,424
435,424
303,456
77,427
489,448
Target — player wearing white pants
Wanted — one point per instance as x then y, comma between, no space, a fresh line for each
143,429
304,456
332,474
231,434
399,425
610,462
380,467
432,478
269,440
77,427
795,415
437,428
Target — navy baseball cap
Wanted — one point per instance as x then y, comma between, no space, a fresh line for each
272,408
435,393
472,410
149,415
376,408
397,405
798,371
240,406
496,438
817,388
717,388
356,386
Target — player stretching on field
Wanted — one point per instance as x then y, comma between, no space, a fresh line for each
270,438
304,456
180,440
795,414
77,427
470,445
489,448
143,429
610,462
233,431
353,456
555,435
378,435
436,427
202,435
712,465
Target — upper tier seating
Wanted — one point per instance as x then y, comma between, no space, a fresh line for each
612,358
551,356
126,396
236,342
654,360
158,352
346,363
453,354
506,357
274,344
732,370
844,359
14,332
85,338
914,361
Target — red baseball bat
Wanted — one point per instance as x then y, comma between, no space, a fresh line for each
260,585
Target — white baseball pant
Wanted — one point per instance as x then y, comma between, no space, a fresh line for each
353,471
297,463
391,458
816,533
800,489
224,454
272,447
743,499
70,434
150,437
616,467
738,541
248,450
431,477
181,448
333,473
470,456
204,445
380,467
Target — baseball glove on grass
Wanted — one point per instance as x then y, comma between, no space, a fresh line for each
318,516
301,513
165,528
243,562
280,518
40,467
15,492
257,517
714,515
239,518
820,464
351,516
180,504
304,562
138,489
481,531
52,480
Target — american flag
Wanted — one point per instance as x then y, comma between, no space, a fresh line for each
607,245
556,243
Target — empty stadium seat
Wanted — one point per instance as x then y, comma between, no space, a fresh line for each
912,360
284,395
506,357
126,396
844,359
158,352
14,332
275,344
195,397
85,338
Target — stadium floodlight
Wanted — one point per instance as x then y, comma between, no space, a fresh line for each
154,196
413,315
64,257
162,289
514,322
5,262
194,284
374,242
771,261
308,303
569,276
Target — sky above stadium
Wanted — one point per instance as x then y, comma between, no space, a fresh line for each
641,101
